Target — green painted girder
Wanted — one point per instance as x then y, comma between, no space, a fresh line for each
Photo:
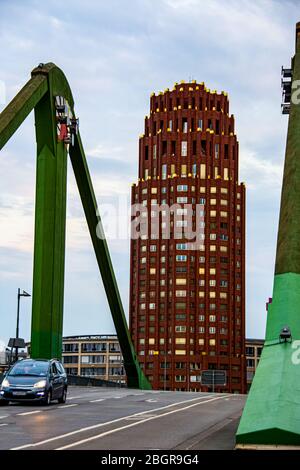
47,82
272,412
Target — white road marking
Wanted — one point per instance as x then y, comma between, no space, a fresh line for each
67,406
96,426
74,398
28,413
151,400
4,424
3,417
151,418
95,401
116,397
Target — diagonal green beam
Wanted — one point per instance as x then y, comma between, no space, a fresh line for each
272,412
47,82
21,105
135,377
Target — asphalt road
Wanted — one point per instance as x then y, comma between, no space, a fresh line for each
124,419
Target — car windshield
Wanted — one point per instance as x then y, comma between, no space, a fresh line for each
33,368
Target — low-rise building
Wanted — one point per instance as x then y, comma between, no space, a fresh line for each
253,352
94,356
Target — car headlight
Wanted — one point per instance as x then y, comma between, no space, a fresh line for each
40,384
5,383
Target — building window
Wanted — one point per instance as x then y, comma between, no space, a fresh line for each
217,149
182,187
181,293
181,258
180,352
180,341
164,171
184,148
181,246
180,329
184,125
182,200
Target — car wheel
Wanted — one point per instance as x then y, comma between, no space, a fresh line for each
63,398
47,400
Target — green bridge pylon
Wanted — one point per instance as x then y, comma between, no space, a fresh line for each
49,94
272,412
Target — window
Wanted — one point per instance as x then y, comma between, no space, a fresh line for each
200,124
194,169
213,213
164,171
182,187
180,282
212,342
201,318
182,200
179,378
181,257
181,293
201,329
217,149
152,271
180,352
180,329
179,306
184,148
181,246
202,171
154,151
212,318
180,341
224,190
184,125
212,330
152,248
183,171
181,211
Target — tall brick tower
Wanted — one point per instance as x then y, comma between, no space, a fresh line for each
187,306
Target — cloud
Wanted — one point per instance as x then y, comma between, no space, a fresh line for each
114,57
260,174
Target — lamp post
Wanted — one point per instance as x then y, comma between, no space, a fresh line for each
24,294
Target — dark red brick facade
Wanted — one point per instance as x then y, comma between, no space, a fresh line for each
187,307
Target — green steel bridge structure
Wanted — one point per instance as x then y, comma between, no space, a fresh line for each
57,135
272,412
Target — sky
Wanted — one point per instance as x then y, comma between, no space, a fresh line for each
115,54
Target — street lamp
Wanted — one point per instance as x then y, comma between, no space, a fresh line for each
24,294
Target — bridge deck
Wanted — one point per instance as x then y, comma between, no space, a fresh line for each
110,419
